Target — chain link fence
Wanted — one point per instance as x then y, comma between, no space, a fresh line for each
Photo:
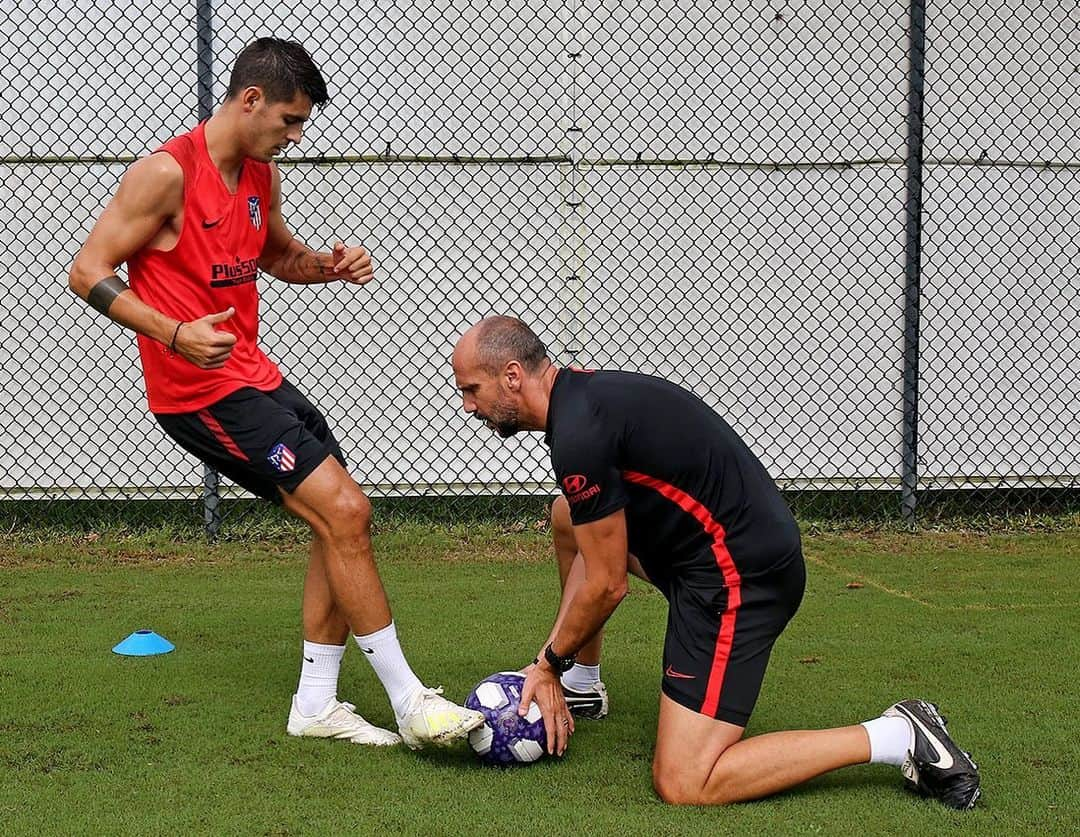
852,227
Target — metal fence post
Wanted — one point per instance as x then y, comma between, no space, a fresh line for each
913,258
204,47
204,34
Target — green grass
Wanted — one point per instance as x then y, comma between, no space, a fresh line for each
193,742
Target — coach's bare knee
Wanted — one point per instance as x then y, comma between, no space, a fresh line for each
562,528
672,787
676,787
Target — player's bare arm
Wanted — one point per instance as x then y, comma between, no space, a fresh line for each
574,580
602,585
291,261
146,211
585,609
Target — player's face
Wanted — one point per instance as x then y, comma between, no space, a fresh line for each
484,398
279,125
502,415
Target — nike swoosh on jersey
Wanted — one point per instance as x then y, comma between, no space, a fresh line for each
207,223
944,758
670,672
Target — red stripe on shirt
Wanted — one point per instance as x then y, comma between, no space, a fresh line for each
223,437
726,636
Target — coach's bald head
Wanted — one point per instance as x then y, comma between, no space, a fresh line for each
499,340
504,374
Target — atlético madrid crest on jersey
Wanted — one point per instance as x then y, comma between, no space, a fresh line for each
282,458
254,211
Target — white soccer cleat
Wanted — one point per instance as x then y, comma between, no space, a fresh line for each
592,703
339,720
432,719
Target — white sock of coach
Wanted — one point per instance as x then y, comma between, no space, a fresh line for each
318,677
889,740
581,678
385,655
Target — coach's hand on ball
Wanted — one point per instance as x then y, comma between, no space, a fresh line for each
542,685
353,264
202,343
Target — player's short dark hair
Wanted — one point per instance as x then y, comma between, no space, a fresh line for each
281,68
500,340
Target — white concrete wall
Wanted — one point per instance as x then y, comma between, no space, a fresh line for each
777,294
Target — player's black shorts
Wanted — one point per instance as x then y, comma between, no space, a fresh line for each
260,440
719,636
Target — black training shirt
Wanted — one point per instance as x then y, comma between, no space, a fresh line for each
620,440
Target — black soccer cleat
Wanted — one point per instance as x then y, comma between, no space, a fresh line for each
935,766
591,704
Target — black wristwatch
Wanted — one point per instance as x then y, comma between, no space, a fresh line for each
560,664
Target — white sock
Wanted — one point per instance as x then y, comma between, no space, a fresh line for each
385,655
889,740
581,678
318,677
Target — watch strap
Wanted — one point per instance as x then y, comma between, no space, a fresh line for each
560,664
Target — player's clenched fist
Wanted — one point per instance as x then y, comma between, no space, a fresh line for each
353,264
202,343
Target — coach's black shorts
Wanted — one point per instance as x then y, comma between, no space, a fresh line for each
720,635
260,440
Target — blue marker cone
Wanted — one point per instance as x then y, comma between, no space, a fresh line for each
143,644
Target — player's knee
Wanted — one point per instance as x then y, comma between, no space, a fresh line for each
675,784
562,528
349,515
676,790
672,786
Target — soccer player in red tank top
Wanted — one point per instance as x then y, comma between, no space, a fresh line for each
195,221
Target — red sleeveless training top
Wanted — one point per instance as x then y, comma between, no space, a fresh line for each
213,266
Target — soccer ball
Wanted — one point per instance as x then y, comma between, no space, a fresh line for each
505,738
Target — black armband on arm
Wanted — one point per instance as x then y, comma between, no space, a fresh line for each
105,292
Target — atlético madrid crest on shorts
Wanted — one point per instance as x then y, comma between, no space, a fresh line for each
254,211
282,458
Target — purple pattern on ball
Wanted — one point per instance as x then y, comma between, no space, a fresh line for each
506,725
